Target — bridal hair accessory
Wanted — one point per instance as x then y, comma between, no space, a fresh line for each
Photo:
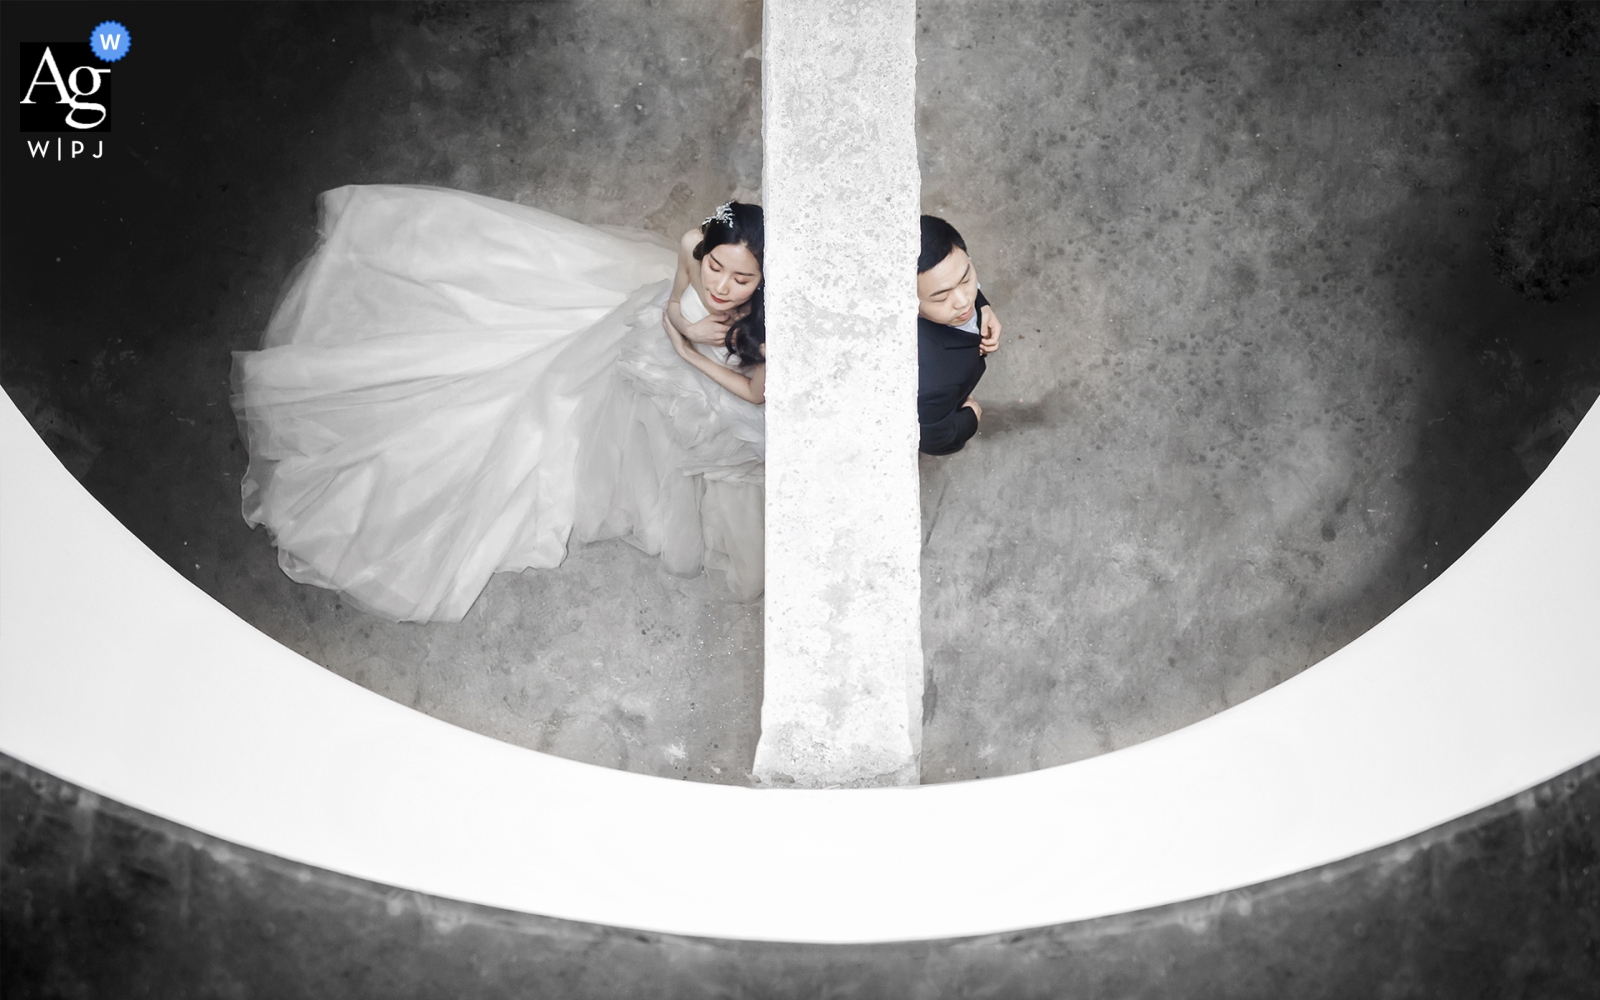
724,213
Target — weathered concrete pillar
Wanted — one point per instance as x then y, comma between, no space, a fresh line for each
843,675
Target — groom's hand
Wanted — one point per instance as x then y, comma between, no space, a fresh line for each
989,332
977,411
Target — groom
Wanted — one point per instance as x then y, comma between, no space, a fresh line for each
956,327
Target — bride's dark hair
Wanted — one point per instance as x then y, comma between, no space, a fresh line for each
747,228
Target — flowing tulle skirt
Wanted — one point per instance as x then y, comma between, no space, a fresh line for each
454,386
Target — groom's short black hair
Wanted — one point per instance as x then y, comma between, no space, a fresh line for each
939,240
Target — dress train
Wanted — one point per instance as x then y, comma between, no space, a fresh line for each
454,386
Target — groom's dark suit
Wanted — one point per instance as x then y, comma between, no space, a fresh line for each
948,369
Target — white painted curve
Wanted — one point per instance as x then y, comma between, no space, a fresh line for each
119,675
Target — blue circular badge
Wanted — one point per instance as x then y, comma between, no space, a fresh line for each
109,40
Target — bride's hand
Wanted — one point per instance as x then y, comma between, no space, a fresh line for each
711,331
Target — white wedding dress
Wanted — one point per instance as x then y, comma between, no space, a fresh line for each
454,386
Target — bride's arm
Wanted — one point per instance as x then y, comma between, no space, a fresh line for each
752,387
674,310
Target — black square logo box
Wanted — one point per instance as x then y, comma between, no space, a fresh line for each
65,89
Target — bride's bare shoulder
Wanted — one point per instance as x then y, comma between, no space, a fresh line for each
690,240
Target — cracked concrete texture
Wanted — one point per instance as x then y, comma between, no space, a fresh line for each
103,900
1261,381
1298,299
843,672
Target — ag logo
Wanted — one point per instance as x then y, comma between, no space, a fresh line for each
63,89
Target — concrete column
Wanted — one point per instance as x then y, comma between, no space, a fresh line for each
843,672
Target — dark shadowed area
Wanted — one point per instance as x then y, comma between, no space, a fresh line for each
105,901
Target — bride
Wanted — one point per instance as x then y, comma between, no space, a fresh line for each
454,386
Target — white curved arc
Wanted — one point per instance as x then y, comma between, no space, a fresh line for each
119,675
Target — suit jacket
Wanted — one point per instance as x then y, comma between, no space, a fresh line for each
948,369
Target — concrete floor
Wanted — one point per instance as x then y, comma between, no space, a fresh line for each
102,900
1298,300
1279,285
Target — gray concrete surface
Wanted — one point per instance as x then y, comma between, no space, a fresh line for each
842,673
1294,310
102,900
1298,299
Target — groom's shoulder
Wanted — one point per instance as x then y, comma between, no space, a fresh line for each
931,334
